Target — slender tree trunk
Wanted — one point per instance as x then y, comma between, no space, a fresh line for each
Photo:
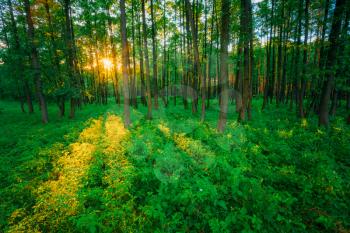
61,98
239,81
205,62
331,62
142,73
70,57
279,57
164,68
125,64
114,60
154,57
175,69
323,36
305,61
251,57
284,66
196,63
17,48
147,74
225,35
35,62
189,61
133,79
268,77
183,57
334,103
245,34
210,53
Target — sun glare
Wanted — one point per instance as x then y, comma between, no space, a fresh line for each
107,63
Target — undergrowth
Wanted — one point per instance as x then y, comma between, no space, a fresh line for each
276,173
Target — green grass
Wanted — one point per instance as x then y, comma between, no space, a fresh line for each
276,173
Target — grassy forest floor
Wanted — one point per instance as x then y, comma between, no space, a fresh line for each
276,173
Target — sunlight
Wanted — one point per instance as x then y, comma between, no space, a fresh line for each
304,123
107,63
58,197
87,67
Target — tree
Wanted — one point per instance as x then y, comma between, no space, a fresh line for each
154,57
246,34
196,62
331,62
54,57
125,63
71,60
224,38
19,60
35,63
147,73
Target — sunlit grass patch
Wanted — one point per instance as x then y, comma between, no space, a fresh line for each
285,133
57,198
191,146
115,133
116,162
106,205
177,174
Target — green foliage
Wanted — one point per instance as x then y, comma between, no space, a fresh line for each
175,174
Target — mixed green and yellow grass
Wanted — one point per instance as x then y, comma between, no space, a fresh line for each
172,174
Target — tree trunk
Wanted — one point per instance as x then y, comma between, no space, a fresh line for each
35,62
70,57
205,62
224,36
268,89
251,57
125,63
147,74
142,73
305,61
210,53
196,63
164,68
19,61
331,62
56,62
245,34
154,57
133,78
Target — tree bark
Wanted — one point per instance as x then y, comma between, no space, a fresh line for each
196,63
305,61
331,62
142,72
35,63
70,57
17,48
147,74
224,36
154,57
125,63
246,36
133,78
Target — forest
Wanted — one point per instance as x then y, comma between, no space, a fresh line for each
174,116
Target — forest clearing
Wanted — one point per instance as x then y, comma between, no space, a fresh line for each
174,116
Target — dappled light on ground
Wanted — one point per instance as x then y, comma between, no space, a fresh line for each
176,174
192,147
57,198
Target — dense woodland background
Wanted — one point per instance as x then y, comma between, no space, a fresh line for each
177,52
174,116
